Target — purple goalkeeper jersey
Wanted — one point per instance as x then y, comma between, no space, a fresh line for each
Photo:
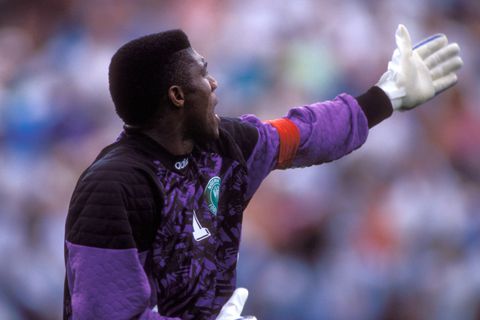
150,235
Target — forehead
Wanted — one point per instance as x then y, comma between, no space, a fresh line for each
194,58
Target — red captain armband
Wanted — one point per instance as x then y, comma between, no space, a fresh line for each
289,135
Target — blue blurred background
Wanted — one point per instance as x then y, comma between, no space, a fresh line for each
390,232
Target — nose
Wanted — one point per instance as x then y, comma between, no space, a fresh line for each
213,83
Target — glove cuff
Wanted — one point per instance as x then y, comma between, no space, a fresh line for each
388,83
376,105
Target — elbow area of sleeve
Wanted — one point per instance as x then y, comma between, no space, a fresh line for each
376,105
106,283
289,135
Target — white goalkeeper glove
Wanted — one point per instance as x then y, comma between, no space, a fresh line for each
233,308
415,75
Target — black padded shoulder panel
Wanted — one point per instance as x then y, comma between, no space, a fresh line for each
244,136
114,204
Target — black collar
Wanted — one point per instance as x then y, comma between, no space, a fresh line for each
145,144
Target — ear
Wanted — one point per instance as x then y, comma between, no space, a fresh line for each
176,96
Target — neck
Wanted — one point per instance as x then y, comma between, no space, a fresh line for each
172,143
169,133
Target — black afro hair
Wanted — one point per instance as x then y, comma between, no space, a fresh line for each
140,73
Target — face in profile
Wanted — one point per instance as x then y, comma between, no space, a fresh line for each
200,100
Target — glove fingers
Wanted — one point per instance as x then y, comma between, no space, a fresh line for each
442,55
234,305
431,44
444,83
403,41
447,67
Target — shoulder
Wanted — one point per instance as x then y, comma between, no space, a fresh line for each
241,133
114,197
119,175
238,128
119,162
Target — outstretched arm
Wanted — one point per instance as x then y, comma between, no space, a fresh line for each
314,134
325,131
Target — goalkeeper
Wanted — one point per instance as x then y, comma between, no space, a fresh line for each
154,224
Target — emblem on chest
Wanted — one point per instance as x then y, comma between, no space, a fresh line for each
212,194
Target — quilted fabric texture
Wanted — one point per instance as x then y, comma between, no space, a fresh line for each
106,283
113,205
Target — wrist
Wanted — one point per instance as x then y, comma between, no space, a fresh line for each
394,92
376,105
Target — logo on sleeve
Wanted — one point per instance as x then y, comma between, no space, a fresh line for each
212,194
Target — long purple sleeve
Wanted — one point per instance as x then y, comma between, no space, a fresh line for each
105,276
327,131
108,284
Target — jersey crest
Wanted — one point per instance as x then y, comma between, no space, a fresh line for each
212,194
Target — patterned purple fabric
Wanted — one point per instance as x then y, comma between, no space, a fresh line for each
190,274
189,271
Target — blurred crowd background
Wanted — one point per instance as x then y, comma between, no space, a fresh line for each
390,232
